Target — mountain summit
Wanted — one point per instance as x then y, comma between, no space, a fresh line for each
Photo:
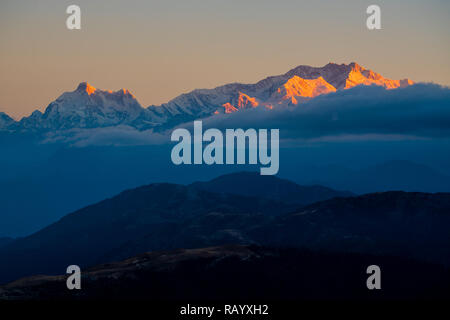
86,87
346,76
292,88
88,107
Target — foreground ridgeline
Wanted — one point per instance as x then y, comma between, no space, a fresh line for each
88,107
241,273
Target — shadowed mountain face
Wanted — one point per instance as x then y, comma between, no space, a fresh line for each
253,184
240,273
155,217
158,211
168,216
5,120
396,223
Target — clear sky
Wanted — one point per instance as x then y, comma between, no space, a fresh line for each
162,48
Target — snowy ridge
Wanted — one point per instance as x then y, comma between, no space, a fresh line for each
292,88
88,107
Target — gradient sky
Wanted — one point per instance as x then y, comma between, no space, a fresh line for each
160,49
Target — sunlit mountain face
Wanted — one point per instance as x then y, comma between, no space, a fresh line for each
303,83
88,107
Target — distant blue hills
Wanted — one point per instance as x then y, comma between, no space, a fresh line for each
240,208
55,180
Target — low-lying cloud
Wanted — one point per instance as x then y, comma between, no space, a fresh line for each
108,136
363,113
420,111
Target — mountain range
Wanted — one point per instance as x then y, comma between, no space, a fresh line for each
251,184
148,215
88,107
169,216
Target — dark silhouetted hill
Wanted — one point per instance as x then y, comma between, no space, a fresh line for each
271,187
168,216
242,273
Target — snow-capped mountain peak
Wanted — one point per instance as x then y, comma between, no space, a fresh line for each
89,107
297,88
86,87
292,88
